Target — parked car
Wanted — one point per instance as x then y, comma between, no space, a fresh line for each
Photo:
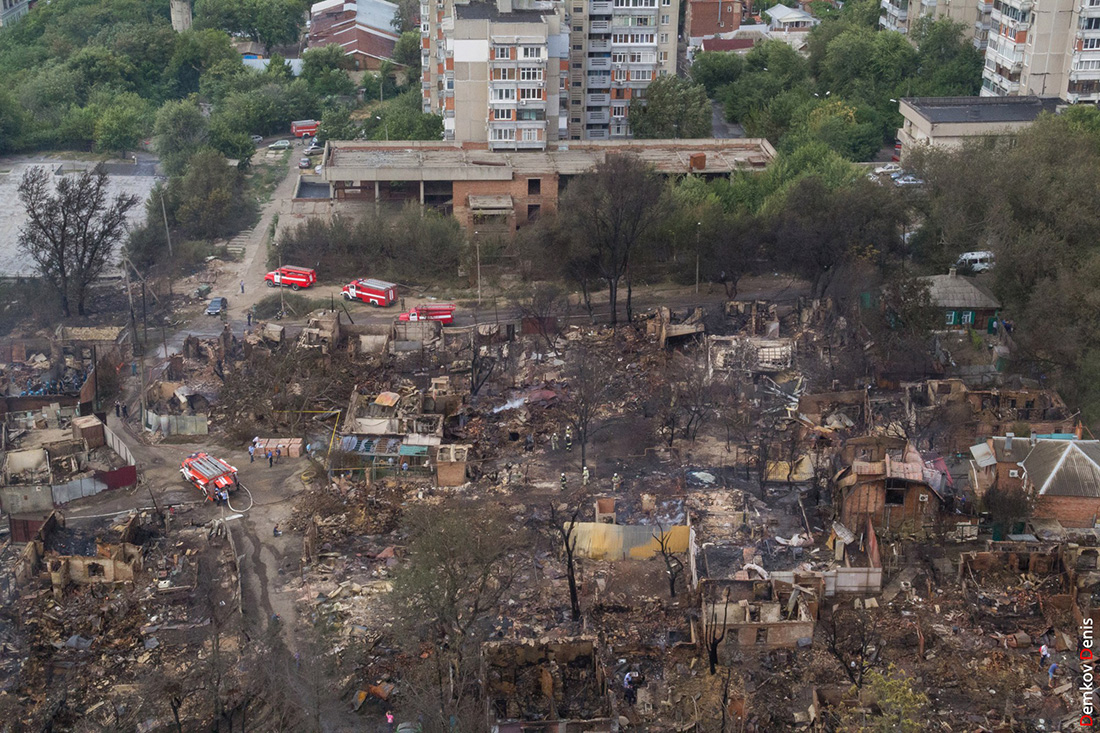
217,306
305,163
315,149
280,145
888,168
909,180
257,139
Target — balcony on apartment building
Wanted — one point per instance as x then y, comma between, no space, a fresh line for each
1005,58
927,7
599,63
899,11
599,81
597,117
985,8
597,134
599,7
597,100
599,26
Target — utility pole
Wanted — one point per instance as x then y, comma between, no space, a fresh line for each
168,236
698,226
477,245
133,325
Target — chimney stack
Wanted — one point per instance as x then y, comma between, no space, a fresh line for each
953,271
1008,443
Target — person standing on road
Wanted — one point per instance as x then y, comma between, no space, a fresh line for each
125,412
251,454
118,409
278,453
270,459
249,316
554,441
242,287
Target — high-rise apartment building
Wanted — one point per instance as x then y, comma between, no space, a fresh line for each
1042,48
1046,48
520,74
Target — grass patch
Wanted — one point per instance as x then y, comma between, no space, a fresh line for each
297,305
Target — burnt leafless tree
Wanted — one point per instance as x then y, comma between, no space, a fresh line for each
792,448
694,396
567,532
615,209
71,232
543,305
591,386
855,641
674,567
713,634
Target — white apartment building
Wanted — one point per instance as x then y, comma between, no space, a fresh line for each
12,10
1047,48
521,74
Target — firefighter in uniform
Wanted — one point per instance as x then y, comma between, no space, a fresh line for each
568,438
563,482
584,475
616,482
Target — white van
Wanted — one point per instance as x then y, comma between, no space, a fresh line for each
976,261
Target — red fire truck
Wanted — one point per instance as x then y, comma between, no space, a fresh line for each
301,128
369,290
443,312
209,474
293,277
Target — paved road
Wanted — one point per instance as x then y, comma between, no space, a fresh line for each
719,127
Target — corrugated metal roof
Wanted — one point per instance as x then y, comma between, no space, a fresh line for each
1064,468
983,455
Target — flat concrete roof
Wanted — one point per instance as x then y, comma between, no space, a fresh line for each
434,161
938,110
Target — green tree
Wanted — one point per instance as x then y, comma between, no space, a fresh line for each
673,108
325,70
11,123
716,69
122,123
403,119
898,708
407,52
268,22
179,132
337,124
196,52
207,201
278,69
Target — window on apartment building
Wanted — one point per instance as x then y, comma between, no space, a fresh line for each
1090,44
502,133
618,58
663,56
618,93
1090,24
530,74
663,72
579,28
620,75
578,65
529,94
504,74
641,76
504,95
424,28
967,318
578,47
635,3
530,115
666,3
642,21
575,101
502,115
502,52
531,135
532,52
664,20
664,38
575,120
618,110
